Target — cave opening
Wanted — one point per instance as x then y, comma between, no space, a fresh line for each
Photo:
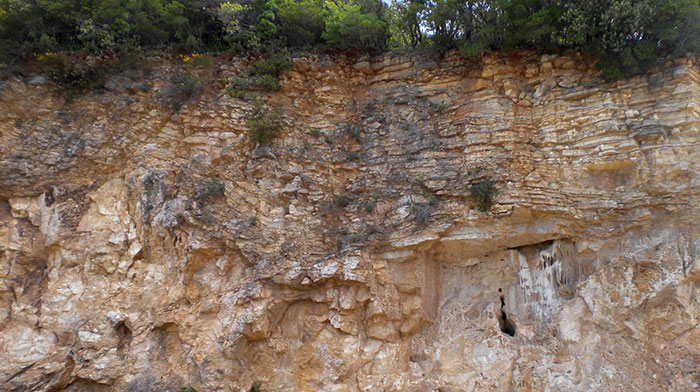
507,326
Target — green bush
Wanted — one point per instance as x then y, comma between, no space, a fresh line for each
130,61
11,69
483,193
197,60
263,124
268,83
343,200
72,75
182,87
235,87
274,65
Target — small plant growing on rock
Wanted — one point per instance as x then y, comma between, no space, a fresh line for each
183,86
421,213
212,189
343,200
253,221
263,123
275,65
268,83
256,387
315,133
483,193
197,60
439,107
235,87
269,70
353,131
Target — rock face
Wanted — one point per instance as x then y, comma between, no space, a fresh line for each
144,249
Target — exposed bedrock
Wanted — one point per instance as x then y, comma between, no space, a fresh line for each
143,249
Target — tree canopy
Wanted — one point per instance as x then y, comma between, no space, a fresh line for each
628,36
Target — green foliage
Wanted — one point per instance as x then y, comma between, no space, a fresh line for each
483,193
31,26
354,156
187,389
132,61
212,189
196,60
264,124
405,19
348,27
268,83
275,65
421,214
9,70
235,87
268,70
71,74
627,36
439,107
301,22
353,131
247,24
256,387
182,87
343,200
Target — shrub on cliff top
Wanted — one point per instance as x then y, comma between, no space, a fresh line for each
72,75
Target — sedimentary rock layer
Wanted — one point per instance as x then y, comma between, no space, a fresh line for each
143,248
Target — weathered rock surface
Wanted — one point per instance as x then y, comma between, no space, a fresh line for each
347,255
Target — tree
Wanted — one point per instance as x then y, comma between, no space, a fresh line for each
347,27
301,22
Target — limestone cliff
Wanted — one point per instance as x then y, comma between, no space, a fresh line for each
146,249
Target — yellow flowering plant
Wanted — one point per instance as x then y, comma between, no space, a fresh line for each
44,56
196,59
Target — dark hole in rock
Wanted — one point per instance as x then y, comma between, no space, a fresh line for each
49,199
507,326
124,334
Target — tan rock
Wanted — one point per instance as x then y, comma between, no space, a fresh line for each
146,250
